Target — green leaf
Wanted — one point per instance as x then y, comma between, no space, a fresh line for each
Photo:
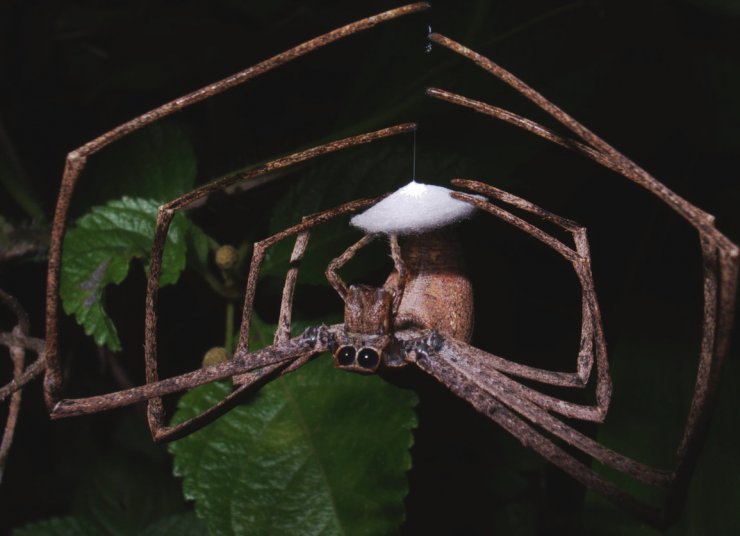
98,251
157,163
316,452
186,524
59,526
124,493
650,412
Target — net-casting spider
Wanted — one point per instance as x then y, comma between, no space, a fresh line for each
384,327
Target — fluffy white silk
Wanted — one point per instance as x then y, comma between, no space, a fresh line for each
415,208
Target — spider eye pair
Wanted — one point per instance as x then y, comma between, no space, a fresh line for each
366,358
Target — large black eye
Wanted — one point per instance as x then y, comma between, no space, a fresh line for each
368,358
346,356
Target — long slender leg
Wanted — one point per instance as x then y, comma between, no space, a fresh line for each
19,338
294,350
401,270
251,381
721,257
476,369
331,271
278,362
18,355
76,160
626,167
162,432
31,371
286,304
17,343
486,403
592,336
155,408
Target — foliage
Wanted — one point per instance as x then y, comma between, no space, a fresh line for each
316,452
98,251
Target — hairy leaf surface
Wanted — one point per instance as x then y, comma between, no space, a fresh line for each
316,452
98,251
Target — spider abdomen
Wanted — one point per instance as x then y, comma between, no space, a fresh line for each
438,294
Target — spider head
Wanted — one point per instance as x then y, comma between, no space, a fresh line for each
365,354
368,342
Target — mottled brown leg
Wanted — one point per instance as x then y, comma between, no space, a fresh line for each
593,344
77,159
331,271
401,271
18,355
485,402
18,342
720,256
282,333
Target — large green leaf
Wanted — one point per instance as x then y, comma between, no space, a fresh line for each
651,409
184,524
98,251
124,494
316,452
59,526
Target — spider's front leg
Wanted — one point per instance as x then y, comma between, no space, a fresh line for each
593,343
77,159
257,375
280,358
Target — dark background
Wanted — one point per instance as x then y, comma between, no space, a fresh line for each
658,79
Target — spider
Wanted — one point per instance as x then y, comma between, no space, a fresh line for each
389,326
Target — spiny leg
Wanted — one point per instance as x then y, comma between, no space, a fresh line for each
293,350
249,380
592,337
282,333
19,338
608,155
18,355
155,408
720,256
243,362
258,256
17,342
331,271
578,258
76,160
401,270
476,369
488,405
165,214
161,432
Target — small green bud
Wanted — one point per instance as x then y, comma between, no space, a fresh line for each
226,257
214,356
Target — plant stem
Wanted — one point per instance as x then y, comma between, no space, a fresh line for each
229,336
